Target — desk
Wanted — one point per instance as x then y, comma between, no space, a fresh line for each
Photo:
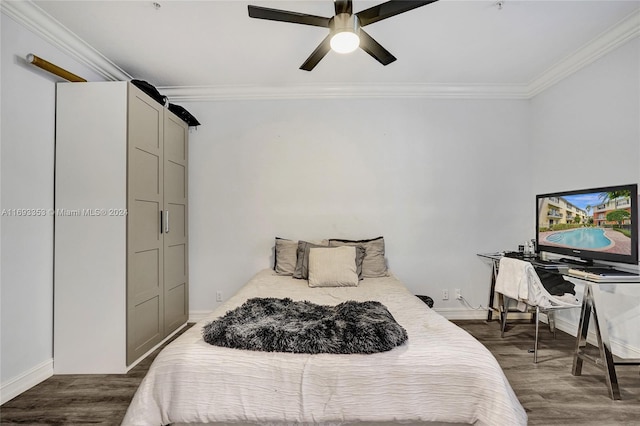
605,359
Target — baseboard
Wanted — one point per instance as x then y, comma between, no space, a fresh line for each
462,314
150,351
618,347
43,371
25,381
476,314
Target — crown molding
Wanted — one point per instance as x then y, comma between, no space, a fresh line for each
620,33
351,91
37,20
625,30
44,25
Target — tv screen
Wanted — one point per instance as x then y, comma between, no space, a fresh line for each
590,224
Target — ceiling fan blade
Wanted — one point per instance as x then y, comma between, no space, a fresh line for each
320,52
373,48
343,6
388,9
260,12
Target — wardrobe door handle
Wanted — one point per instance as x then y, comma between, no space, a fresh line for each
161,224
166,222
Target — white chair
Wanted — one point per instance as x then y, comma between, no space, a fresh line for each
518,280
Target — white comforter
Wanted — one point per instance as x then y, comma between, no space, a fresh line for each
442,374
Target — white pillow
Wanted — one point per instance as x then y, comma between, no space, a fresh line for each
333,267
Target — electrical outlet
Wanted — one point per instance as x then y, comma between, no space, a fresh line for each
219,296
458,294
445,294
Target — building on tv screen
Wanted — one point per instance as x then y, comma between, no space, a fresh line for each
598,221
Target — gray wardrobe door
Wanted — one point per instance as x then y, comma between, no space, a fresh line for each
176,268
145,248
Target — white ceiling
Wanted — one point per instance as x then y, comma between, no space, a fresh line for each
450,42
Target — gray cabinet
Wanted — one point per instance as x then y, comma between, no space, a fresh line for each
121,234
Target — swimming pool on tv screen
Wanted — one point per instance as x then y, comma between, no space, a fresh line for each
585,238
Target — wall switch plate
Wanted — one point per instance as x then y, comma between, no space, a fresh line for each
219,296
445,294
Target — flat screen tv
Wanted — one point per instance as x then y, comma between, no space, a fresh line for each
590,224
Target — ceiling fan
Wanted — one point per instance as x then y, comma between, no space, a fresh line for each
345,28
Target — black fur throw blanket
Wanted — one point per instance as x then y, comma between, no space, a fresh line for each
282,325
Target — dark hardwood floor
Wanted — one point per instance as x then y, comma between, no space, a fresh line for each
78,399
547,390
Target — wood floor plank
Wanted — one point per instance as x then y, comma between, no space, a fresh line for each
547,390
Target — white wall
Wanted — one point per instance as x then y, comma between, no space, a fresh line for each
26,286
586,129
586,133
441,180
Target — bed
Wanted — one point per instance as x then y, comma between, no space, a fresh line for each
441,374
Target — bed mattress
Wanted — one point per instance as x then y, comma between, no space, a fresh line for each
440,375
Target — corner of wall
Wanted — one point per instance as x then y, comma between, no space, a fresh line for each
26,380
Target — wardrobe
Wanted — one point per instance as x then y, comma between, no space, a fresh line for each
121,283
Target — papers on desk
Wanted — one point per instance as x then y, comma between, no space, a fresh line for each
604,275
547,264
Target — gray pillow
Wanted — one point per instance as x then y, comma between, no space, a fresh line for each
373,264
302,264
360,252
286,255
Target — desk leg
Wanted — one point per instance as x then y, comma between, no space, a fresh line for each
604,345
492,291
583,330
607,357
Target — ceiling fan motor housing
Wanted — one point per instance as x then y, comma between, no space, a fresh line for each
344,22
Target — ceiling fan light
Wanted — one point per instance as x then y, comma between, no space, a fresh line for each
345,42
